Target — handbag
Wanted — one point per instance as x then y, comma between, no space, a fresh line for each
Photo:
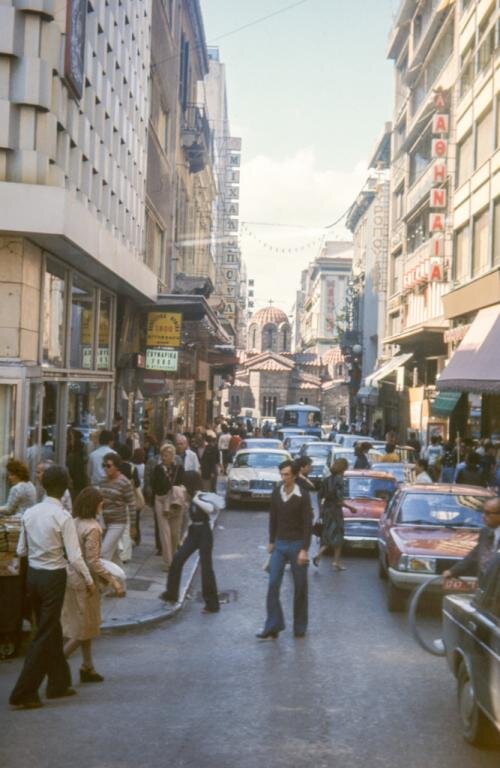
139,498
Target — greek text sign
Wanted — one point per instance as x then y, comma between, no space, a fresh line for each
164,329
162,360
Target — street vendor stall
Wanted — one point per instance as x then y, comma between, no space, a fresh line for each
11,587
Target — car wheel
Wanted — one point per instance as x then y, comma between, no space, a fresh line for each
382,571
396,598
476,728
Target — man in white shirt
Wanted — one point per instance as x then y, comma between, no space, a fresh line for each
422,477
189,459
49,540
96,470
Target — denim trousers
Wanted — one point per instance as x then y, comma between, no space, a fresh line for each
45,656
286,552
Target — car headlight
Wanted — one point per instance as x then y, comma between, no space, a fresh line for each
244,485
233,484
417,564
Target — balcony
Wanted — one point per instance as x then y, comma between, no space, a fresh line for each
196,138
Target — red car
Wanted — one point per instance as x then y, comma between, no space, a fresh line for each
368,492
424,531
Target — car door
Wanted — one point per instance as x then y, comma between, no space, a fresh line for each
387,520
484,648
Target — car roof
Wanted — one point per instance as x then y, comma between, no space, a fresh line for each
326,443
388,465
452,490
368,473
262,450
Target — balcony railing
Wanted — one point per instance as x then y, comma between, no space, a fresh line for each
196,138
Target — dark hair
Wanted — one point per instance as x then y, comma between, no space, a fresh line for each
301,462
339,466
422,463
288,463
361,448
19,469
139,456
115,458
473,459
106,437
55,480
390,447
123,451
86,503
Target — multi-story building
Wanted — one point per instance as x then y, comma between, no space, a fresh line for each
423,48
321,302
228,298
471,381
88,235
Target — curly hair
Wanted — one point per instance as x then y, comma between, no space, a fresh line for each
19,469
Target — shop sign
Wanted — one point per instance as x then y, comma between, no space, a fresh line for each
438,195
164,329
162,360
102,358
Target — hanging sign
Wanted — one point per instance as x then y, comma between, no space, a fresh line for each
162,360
164,329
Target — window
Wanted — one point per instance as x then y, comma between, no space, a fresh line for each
461,263
105,324
465,4
420,156
397,273
496,232
400,135
418,230
480,244
399,202
154,245
184,74
467,69
82,323
7,425
464,160
484,138
162,127
497,133
486,48
54,296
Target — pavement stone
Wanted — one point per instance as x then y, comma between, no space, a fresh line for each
142,606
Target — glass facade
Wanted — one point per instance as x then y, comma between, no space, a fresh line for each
82,323
7,424
53,335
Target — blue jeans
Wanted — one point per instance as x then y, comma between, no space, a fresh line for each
286,552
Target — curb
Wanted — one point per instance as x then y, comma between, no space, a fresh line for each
164,613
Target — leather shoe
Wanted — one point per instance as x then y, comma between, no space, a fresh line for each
266,635
27,704
62,694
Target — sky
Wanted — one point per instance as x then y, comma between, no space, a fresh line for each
309,91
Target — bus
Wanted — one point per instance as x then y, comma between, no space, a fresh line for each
306,417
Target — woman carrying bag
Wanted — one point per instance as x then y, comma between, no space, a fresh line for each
331,498
169,501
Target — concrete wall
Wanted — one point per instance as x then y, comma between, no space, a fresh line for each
20,275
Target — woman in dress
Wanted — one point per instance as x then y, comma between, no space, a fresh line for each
81,614
22,494
331,497
169,501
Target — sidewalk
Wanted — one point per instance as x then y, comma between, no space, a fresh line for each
145,582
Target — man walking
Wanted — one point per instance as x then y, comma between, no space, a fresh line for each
95,469
290,524
49,539
188,458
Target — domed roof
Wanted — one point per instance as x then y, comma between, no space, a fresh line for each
269,315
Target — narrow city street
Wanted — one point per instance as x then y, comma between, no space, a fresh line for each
201,691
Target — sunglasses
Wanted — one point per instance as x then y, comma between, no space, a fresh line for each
108,466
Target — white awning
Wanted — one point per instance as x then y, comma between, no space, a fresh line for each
388,368
475,366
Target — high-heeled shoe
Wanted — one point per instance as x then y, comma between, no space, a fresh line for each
90,676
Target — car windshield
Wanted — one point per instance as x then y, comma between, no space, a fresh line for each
401,472
265,443
369,487
317,451
347,455
259,460
448,509
295,442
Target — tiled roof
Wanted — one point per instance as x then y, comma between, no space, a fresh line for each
269,315
333,355
271,365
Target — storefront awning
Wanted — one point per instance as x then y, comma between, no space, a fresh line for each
388,368
368,396
445,403
475,366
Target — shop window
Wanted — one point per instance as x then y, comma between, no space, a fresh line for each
82,323
7,425
104,351
461,263
464,159
87,408
33,434
53,332
496,232
50,420
480,244
484,138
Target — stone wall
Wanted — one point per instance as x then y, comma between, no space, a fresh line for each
20,280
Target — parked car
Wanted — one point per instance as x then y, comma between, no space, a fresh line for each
260,442
471,635
282,434
319,453
254,474
294,443
349,441
423,532
404,473
369,493
339,452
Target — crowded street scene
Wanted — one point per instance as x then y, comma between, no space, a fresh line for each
250,383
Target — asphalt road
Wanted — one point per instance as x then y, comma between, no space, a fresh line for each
201,692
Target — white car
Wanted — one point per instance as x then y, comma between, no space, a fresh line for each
254,474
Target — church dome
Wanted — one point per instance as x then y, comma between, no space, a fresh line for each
269,315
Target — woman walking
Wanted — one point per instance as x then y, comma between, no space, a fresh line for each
361,449
118,504
331,497
81,613
169,495
22,494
